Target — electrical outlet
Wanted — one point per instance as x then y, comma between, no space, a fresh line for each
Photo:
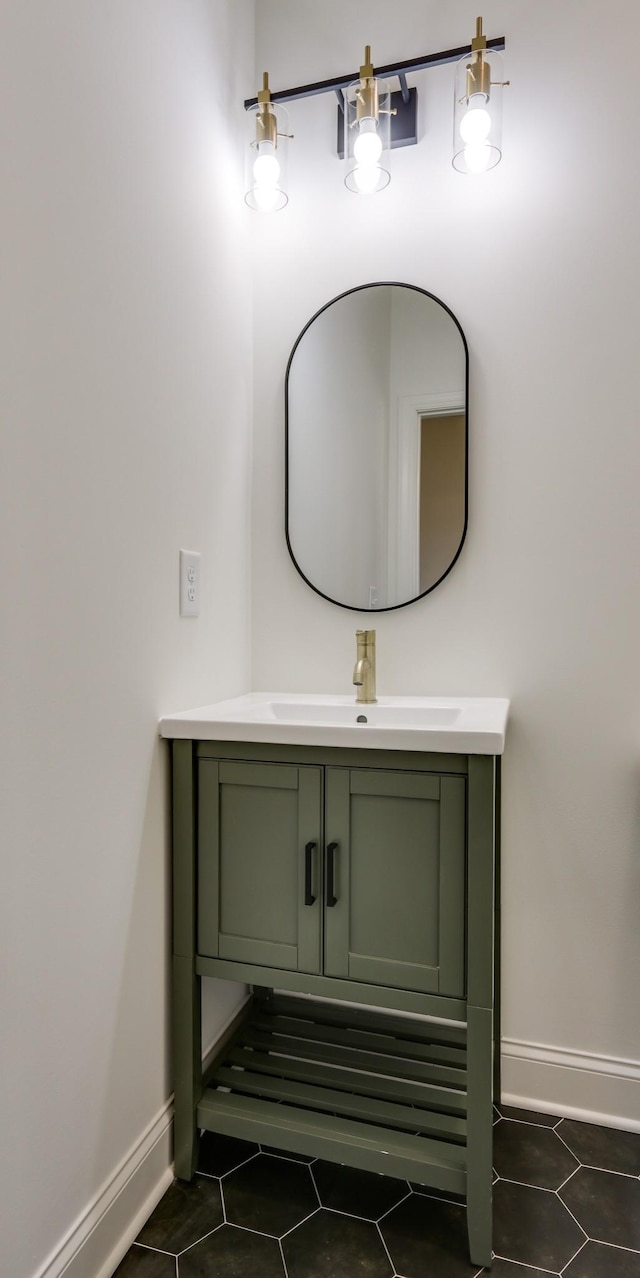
189,583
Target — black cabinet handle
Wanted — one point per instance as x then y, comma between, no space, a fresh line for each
309,898
331,851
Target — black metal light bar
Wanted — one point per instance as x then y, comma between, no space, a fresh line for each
399,68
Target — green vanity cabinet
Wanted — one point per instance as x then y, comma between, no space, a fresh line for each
367,879
272,891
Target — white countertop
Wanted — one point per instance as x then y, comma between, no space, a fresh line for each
451,725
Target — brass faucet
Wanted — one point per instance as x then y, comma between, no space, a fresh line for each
364,671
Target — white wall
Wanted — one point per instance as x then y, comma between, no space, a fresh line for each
125,435
539,261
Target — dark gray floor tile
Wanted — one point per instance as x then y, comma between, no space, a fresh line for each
427,1236
531,1155
359,1193
140,1263
607,1206
233,1253
269,1194
220,1154
532,1227
185,1214
528,1116
330,1244
598,1261
603,1147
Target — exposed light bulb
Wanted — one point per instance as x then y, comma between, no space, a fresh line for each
475,123
266,172
367,147
366,178
475,126
477,157
266,168
266,197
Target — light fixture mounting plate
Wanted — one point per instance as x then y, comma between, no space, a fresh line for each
404,121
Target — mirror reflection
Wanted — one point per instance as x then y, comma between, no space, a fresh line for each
376,424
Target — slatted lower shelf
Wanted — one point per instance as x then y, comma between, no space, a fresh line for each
380,1092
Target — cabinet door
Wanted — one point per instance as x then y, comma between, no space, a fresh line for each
398,879
257,872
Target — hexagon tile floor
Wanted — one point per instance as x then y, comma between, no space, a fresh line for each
566,1201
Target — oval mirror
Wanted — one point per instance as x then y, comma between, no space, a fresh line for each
376,447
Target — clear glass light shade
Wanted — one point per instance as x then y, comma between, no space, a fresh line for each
266,158
477,114
367,137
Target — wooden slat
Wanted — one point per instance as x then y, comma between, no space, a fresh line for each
337,1139
389,1043
371,1062
360,1107
440,1099
412,1029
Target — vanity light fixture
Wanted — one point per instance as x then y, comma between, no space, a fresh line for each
368,117
477,112
267,154
372,120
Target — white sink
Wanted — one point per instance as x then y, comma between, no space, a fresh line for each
389,714
464,725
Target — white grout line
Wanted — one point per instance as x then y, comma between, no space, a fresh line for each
568,1209
231,1170
284,1263
208,1234
572,1258
526,1122
522,1264
384,1244
147,1247
595,1166
569,1177
289,1158
631,1251
606,1171
300,1222
400,1200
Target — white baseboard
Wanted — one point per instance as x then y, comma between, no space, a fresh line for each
101,1236
593,1089
97,1241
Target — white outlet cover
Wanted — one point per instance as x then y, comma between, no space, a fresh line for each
189,583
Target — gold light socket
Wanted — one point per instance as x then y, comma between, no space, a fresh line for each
479,77
367,100
266,124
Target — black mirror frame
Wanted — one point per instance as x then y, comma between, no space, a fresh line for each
347,293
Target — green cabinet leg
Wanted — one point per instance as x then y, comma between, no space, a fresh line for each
479,1134
187,1066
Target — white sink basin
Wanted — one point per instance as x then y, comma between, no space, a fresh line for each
381,715
464,725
